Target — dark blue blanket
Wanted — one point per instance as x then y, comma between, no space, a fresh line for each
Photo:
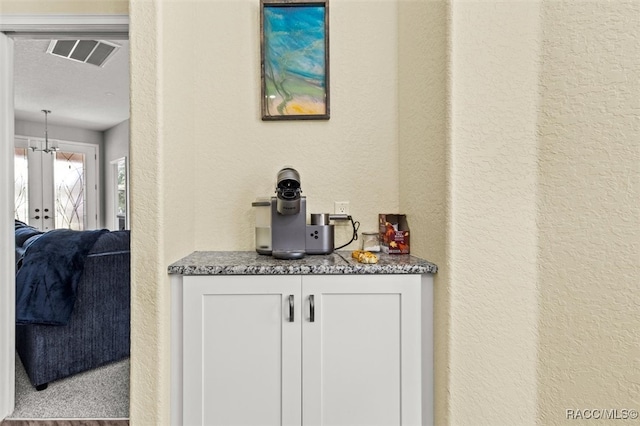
48,268
25,235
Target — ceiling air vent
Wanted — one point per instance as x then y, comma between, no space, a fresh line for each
94,52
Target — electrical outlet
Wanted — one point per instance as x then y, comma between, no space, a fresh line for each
341,207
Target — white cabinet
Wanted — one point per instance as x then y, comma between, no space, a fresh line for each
242,352
305,350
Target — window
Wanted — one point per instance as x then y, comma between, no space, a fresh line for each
121,193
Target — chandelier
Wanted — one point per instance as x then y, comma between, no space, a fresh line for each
48,147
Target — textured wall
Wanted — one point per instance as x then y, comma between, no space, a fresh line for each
424,158
589,209
162,191
492,223
351,157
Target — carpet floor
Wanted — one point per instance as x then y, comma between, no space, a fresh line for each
102,393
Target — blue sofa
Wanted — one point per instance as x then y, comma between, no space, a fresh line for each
98,331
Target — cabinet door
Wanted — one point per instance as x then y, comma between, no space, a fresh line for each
361,350
242,360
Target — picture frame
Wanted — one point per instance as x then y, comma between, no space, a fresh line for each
294,50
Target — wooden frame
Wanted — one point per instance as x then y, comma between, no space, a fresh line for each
294,47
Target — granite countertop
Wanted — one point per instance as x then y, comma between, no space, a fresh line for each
252,263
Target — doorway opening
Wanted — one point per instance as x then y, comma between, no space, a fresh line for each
85,159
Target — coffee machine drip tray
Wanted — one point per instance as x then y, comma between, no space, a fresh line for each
288,254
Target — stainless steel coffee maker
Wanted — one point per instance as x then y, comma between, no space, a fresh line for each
284,232
288,217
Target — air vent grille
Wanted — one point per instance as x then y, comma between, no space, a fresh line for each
94,52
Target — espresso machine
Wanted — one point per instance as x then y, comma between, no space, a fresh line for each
290,236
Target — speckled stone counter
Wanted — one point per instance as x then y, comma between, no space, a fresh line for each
252,263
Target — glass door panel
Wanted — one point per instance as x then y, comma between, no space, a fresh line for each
21,189
69,175
57,189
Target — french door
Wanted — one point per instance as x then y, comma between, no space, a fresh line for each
58,189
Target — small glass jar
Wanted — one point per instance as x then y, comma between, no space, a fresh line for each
370,241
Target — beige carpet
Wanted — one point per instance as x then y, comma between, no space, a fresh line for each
102,393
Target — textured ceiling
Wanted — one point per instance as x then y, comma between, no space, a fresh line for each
78,95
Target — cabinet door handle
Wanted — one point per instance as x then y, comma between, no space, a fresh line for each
312,309
291,318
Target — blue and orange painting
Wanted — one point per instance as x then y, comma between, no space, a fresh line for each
294,60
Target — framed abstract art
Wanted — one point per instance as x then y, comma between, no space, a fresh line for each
294,47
